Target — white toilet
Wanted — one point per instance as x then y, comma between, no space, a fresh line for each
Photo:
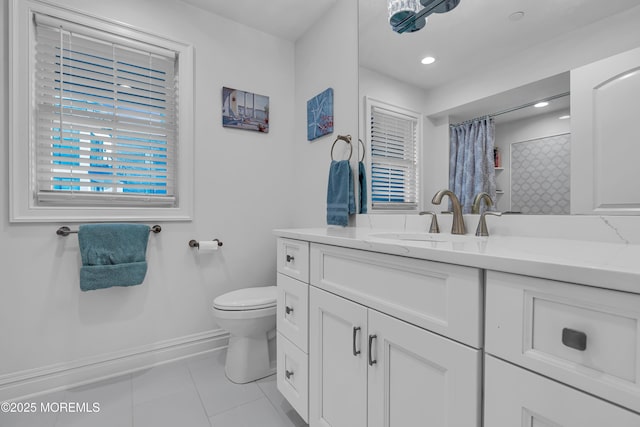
249,315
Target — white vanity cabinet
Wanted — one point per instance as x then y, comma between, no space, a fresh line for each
292,377
371,339
585,337
368,368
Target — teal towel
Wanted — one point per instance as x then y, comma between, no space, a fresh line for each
362,182
112,255
340,198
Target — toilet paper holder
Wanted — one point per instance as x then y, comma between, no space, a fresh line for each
195,244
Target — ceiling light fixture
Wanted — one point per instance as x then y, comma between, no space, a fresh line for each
541,104
565,117
428,60
441,6
405,11
407,16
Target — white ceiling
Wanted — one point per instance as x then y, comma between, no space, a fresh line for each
288,19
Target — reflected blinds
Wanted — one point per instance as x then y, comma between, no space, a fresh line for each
105,129
394,160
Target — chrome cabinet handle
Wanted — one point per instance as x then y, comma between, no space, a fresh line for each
290,258
288,310
371,360
574,339
355,332
288,374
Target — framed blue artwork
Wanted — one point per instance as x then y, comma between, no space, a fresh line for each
245,110
320,115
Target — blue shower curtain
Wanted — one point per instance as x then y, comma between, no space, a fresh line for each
471,162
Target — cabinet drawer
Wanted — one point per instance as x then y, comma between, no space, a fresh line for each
443,298
515,397
293,259
293,376
583,336
292,311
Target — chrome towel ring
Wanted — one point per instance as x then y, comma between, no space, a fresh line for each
345,138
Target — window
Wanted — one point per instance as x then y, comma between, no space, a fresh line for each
393,152
103,121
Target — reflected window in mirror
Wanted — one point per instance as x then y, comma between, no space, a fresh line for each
393,140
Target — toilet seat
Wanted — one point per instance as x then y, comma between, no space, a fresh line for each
247,299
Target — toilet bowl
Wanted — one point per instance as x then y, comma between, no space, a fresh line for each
249,315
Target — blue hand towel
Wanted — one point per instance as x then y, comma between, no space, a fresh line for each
340,198
112,255
362,182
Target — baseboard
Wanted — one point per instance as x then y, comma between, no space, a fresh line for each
32,382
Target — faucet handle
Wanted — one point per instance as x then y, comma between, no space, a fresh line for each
434,228
475,209
482,229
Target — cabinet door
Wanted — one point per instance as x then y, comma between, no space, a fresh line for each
515,397
337,361
417,378
605,100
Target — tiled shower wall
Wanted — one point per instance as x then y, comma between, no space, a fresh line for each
541,175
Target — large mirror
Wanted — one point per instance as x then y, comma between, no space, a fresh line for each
496,58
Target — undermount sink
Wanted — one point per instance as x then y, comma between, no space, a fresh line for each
423,237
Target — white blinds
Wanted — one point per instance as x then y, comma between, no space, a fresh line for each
394,160
106,128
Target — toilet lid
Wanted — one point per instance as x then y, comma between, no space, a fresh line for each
247,299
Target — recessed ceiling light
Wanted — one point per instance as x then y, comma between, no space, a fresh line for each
564,117
541,104
428,60
516,16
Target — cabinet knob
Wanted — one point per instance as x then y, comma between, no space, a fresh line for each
290,258
288,310
288,374
372,361
574,339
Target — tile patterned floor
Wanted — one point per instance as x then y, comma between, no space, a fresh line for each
189,393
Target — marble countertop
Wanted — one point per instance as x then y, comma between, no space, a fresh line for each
606,265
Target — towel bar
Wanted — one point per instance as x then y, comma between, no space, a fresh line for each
65,231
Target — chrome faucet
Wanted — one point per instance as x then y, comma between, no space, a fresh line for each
475,209
458,221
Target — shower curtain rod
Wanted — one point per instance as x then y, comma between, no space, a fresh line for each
529,104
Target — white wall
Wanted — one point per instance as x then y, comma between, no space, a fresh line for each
325,56
434,153
243,191
388,90
540,126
